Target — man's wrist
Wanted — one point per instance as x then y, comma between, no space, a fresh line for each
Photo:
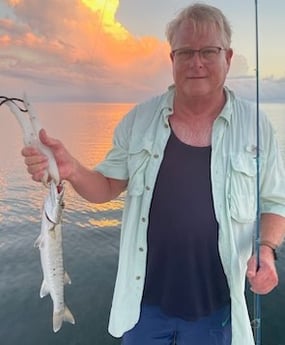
270,245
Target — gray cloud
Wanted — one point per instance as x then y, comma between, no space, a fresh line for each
270,89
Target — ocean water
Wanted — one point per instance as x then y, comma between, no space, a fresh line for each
91,235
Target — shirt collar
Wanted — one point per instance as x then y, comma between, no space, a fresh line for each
166,108
226,112
167,105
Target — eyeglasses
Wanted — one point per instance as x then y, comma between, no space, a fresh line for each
206,54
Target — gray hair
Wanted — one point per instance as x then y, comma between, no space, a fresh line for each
202,16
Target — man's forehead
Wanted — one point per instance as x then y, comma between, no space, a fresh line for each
202,31
198,27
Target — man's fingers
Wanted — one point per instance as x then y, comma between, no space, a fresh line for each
29,151
36,160
251,267
264,287
38,177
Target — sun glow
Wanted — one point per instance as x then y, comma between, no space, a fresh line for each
14,2
106,10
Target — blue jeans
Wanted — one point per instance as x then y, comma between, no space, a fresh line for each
156,328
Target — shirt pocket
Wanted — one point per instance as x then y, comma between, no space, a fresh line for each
243,188
138,159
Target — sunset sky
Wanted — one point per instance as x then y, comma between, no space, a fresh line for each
115,51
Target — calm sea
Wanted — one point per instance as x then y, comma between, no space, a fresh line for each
91,235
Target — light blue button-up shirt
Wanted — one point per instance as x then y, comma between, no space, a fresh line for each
138,146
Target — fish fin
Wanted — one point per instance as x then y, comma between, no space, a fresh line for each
68,317
67,279
39,242
57,320
63,315
44,289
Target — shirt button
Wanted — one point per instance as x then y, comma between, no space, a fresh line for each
155,155
138,277
143,219
166,125
147,188
141,249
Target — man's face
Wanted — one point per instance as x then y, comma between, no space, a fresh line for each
199,74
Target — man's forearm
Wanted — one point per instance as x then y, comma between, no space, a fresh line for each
263,276
93,186
272,229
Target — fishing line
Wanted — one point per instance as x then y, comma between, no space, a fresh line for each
15,101
256,323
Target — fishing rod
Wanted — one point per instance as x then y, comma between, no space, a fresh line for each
256,244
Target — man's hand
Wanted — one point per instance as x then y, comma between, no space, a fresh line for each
263,279
37,163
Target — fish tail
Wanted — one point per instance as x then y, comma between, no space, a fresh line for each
59,317
57,321
68,317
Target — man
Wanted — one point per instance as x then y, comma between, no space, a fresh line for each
188,161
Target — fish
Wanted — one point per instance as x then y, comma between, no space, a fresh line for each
50,239
49,243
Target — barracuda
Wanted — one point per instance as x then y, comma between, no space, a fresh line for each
50,239
50,244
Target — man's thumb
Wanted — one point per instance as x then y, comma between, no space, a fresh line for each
251,267
44,138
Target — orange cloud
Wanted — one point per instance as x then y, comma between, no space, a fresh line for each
5,40
106,11
80,43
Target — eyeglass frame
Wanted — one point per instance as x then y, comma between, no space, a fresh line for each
193,51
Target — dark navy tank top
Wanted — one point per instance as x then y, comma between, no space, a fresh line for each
184,273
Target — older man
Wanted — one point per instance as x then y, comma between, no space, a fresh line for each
188,161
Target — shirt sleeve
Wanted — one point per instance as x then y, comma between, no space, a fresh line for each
272,181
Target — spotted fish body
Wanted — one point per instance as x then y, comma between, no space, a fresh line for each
50,245
50,239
